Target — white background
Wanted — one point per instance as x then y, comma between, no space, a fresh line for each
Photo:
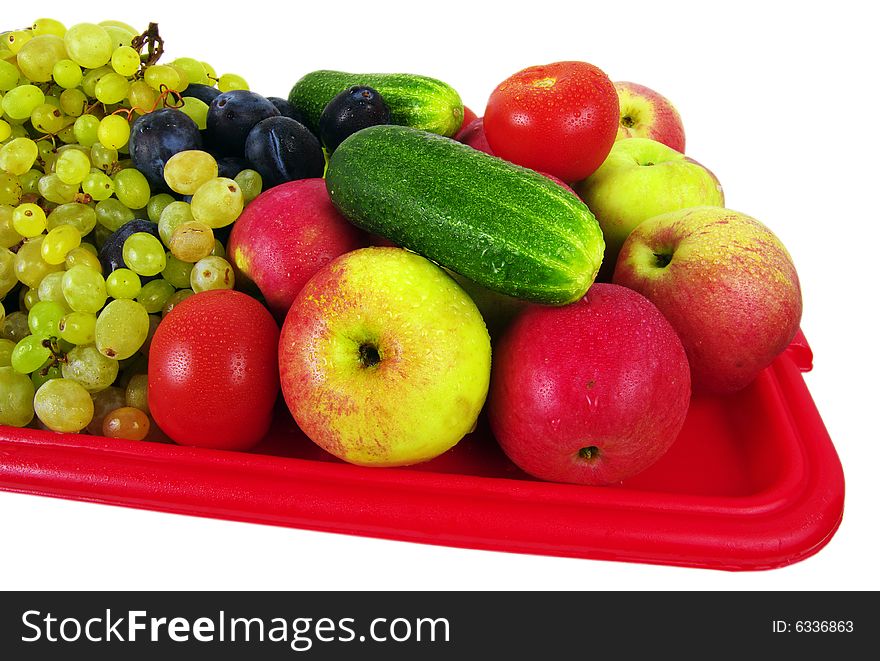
778,99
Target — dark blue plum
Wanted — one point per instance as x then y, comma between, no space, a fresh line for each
230,166
232,115
286,109
281,149
111,252
350,111
156,137
203,93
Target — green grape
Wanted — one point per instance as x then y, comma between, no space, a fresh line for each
100,235
30,181
91,78
75,214
98,186
29,354
105,401
8,236
67,134
91,248
173,215
111,88
28,298
132,188
63,405
113,214
84,289
186,171
53,189
84,255
8,273
191,241
46,156
17,402
16,39
175,299
210,72
50,289
103,157
125,61
10,189
38,56
73,102
90,368
182,77
19,103
58,242
30,267
15,326
9,76
212,273
195,70
18,155
88,45
45,373
251,184
113,131
156,206
123,283
6,347
144,254
141,97
5,130
218,202
29,220
47,119
177,271
162,75
72,166
2,313
78,328
119,36
121,329
86,129
44,319
231,81
67,74
48,26
196,110
137,393
154,295
219,250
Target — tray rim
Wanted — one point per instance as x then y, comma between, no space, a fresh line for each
788,501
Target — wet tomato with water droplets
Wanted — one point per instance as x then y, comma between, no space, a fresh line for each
213,374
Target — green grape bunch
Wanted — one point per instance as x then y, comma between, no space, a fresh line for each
80,294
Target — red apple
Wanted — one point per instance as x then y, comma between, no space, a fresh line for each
474,135
646,114
285,236
592,392
725,282
467,117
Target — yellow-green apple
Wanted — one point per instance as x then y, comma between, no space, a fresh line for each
592,392
384,359
642,178
725,282
497,309
285,236
645,113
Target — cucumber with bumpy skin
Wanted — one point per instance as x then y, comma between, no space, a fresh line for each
417,101
507,228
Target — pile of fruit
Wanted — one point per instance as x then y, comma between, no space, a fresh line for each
158,223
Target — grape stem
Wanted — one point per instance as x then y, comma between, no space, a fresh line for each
154,43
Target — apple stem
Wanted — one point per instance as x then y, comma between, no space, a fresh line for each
589,454
369,355
663,259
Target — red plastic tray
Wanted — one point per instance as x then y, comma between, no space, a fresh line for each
753,482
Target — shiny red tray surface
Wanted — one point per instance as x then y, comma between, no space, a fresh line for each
753,482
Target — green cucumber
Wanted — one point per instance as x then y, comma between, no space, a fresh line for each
417,101
505,227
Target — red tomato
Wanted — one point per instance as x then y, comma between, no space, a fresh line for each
559,118
213,373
